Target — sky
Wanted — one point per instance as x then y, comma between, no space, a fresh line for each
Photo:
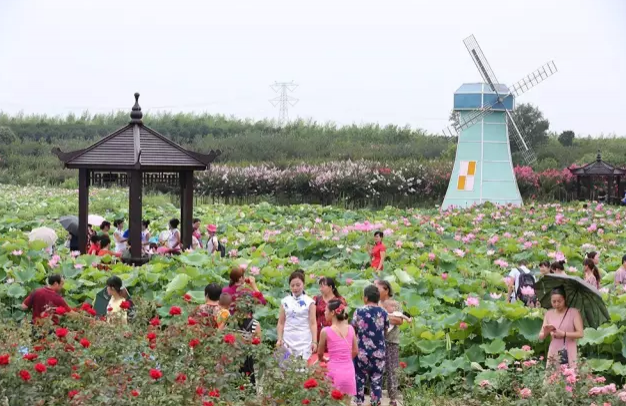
388,62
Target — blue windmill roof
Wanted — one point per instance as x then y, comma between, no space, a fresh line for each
469,88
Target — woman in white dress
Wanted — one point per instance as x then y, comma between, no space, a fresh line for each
118,236
297,325
173,243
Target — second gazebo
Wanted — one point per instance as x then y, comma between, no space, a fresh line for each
603,170
135,155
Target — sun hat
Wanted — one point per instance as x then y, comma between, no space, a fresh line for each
212,228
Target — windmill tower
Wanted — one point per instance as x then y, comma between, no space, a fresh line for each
483,169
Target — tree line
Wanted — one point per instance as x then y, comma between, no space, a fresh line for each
26,141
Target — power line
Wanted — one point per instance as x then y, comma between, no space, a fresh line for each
284,100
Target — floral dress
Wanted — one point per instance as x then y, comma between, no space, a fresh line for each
370,323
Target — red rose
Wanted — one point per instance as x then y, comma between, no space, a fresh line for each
241,387
72,393
175,311
207,403
191,321
155,374
257,295
194,342
151,336
61,332
337,395
187,297
5,359
25,375
200,391
75,376
109,309
91,312
52,362
30,357
60,311
310,384
85,306
155,322
402,365
85,343
125,305
256,341
181,378
134,392
306,402
38,348
41,368
229,339
215,393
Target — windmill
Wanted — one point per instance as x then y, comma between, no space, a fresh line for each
483,168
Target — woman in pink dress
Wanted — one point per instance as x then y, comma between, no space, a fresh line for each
565,326
339,340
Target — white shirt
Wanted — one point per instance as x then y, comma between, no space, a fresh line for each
119,246
174,239
515,274
297,333
212,244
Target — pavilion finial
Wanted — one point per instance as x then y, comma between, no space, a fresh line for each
598,157
136,115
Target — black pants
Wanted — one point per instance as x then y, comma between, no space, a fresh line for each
248,370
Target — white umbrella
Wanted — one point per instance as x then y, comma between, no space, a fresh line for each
95,220
45,234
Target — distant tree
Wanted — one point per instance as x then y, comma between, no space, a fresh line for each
455,118
532,125
566,138
7,135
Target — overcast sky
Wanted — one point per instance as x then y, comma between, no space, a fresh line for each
395,62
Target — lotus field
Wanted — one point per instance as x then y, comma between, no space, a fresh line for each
447,269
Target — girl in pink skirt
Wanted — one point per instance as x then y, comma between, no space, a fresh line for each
339,341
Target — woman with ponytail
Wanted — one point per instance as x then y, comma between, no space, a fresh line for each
339,340
592,276
328,292
558,267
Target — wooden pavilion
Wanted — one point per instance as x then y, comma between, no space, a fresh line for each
602,170
137,155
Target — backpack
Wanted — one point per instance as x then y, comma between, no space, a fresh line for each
221,249
525,279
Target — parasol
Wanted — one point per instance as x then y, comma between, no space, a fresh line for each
45,234
70,224
578,294
95,220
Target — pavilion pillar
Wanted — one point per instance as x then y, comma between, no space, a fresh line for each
83,208
609,193
578,196
186,207
620,190
135,213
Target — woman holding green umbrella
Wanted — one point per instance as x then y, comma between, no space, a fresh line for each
565,325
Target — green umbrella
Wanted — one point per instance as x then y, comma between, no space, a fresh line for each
579,295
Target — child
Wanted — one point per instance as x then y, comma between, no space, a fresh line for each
392,353
340,341
371,323
224,312
94,245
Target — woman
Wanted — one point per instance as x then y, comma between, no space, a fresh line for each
392,342
145,235
236,286
105,248
557,268
297,327
328,290
212,244
592,276
174,244
118,236
565,326
115,312
378,252
594,256
210,313
544,268
339,339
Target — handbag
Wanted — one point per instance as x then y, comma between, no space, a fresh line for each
563,355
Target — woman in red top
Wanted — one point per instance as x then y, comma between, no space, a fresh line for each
378,252
105,244
328,292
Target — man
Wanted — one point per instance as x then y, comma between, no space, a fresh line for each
48,297
515,275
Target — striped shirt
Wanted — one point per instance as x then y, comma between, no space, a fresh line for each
248,328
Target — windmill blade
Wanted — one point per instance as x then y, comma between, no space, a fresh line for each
481,62
533,79
468,121
527,153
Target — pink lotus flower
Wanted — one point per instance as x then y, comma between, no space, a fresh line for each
525,393
294,260
459,252
318,220
444,276
559,256
472,301
484,383
503,366
349,281
233,253
17,253
431,256
572,269
495,296
568,388
463,325
52,263
493,240
502,263
255,270
78,266
398,244
527,291
243,266
74,254
571,379
490,252
592,228
544,227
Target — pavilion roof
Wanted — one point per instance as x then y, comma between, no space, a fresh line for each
597,168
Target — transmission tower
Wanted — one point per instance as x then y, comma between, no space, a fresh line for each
284,100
